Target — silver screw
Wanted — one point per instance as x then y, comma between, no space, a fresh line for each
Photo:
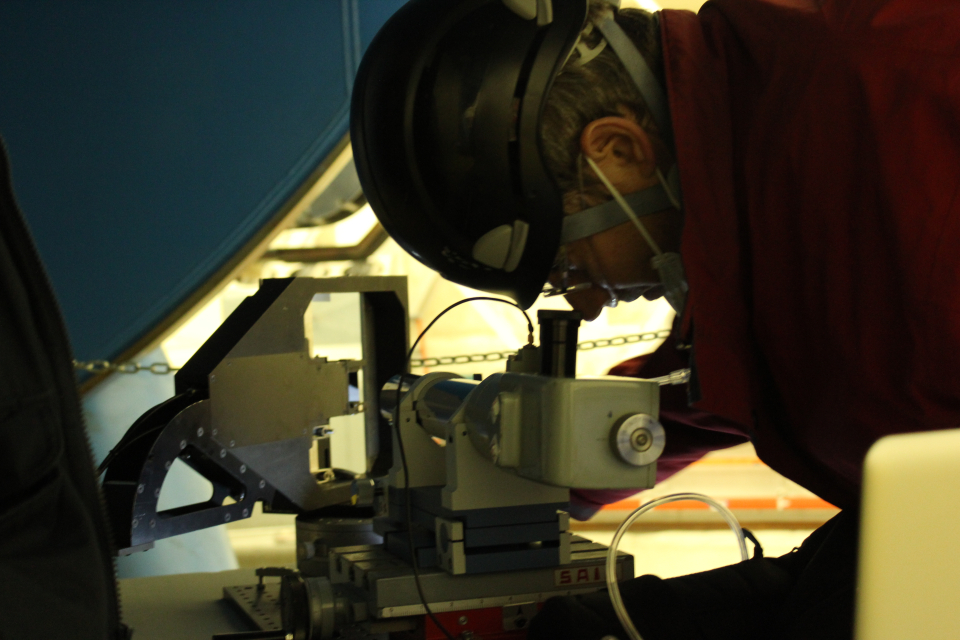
223,453
463,620
246,513
641,440
156,493
214,432
139,488
200,432
135,523
233,442
183,444
263,484
153,523
226,518
166,465
243,468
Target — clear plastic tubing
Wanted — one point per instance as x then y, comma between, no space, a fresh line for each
612,586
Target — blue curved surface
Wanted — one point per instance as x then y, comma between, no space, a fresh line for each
149,141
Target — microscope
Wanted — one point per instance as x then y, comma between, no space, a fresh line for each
459,524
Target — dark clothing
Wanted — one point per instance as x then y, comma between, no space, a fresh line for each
818,144
803,595
55,555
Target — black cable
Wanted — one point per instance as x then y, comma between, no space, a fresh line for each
179,402
123,446
757,549
403,455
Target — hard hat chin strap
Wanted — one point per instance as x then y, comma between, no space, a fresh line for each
667,264
641,74
659,197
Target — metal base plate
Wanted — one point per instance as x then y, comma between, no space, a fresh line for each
389,586
260,604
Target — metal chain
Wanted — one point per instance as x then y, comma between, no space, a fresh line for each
587,345
105,366
162,368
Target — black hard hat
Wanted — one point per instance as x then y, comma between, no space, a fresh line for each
445,132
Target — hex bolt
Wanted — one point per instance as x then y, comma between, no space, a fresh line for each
641,440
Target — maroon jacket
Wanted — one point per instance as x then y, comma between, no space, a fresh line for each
819,153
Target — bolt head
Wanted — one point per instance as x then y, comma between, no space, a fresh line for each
641,440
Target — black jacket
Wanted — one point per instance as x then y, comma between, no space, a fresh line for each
56,566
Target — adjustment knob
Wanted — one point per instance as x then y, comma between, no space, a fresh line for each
638,439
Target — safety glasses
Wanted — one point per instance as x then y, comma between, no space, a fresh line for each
561,276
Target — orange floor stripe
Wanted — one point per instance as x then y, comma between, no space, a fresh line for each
623,505
809,503
686,505
752,503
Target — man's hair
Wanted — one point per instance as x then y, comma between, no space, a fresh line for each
602,87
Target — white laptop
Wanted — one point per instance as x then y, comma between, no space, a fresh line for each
909,573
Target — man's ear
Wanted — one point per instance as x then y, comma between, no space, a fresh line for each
619,146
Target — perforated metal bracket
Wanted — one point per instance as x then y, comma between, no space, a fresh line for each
133,499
